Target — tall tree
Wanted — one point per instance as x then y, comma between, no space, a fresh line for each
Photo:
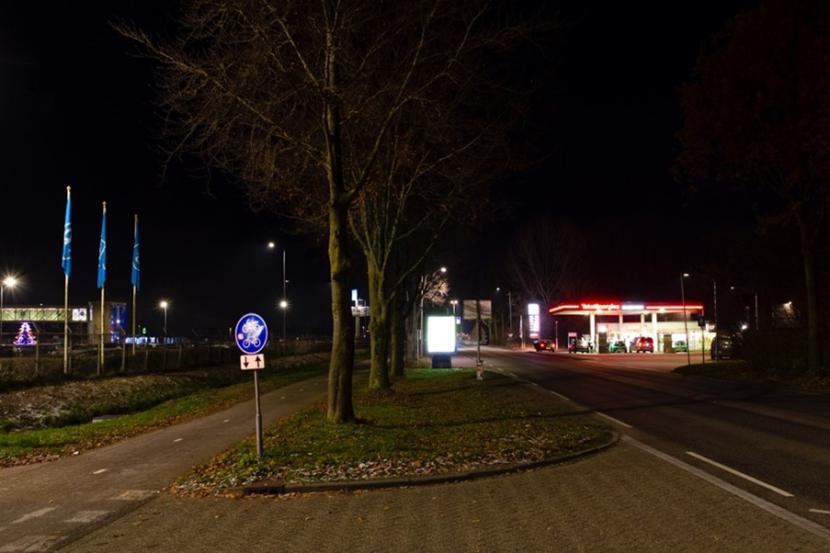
757,117
297,100
547,260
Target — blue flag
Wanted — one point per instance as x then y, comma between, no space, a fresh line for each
102,250
135,276
66,257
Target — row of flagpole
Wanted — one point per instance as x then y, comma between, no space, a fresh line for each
66,265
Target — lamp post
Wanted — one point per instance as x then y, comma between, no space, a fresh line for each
284,300
8,282
683,277
755,297
284,307
164,304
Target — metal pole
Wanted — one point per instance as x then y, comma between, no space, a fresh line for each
421,320
556,325
258,417
757,328
66,325
685,320
134,340
715,314
165,323
478,333
284,309
510,311
101,344
2,289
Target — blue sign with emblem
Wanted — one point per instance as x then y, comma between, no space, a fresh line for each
251,334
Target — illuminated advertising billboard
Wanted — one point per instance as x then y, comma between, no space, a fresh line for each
533,323
440,334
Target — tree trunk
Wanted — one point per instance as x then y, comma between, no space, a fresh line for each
341,366
808,259
378,330
398,342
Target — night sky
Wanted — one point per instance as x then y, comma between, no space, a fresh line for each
77,109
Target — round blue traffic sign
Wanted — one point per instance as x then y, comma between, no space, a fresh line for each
251,333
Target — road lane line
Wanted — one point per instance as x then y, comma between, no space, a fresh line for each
779,491
134,495
85,517
820,511
34,514
612,419
177,440
782,513
227,420
32,543
99,471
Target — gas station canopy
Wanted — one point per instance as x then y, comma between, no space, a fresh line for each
623,308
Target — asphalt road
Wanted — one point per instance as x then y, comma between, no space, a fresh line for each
773,444
46,506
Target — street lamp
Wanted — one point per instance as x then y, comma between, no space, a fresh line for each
164,304
755,295
8,282
683,277
284,307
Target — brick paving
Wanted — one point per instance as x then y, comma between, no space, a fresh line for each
621,500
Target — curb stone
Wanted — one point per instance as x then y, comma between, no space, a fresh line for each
354,485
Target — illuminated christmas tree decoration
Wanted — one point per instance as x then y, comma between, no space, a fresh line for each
25,335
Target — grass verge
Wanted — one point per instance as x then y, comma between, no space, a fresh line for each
738,369
435,422
34,445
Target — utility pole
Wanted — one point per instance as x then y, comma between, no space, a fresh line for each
685,317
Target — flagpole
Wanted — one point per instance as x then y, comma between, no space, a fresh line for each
135,238
66,324
66,285
103,287
133,320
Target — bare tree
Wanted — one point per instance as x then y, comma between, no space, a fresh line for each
297,100
757,117
547,261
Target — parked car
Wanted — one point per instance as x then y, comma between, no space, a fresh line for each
581,346
544,345
727,347
680,346
617,347
643,344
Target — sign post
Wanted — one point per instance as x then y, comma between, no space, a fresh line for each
251,335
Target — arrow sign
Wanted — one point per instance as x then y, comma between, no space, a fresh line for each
252,362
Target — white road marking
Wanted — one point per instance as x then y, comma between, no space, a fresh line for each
772,508
177,440
32,543
779,491
85,517
99,471
134,495
34,514
612,419
820,511
227,420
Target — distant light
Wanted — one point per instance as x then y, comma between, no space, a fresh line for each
163,304
283,304
498,289
686,275
744,326
454,302
271,245
9,282
633,307
443,269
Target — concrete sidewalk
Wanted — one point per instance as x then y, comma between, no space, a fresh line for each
621,500
47,505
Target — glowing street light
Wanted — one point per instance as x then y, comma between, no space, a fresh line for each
8,282
163,304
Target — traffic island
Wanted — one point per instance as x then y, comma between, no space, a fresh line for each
437,426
